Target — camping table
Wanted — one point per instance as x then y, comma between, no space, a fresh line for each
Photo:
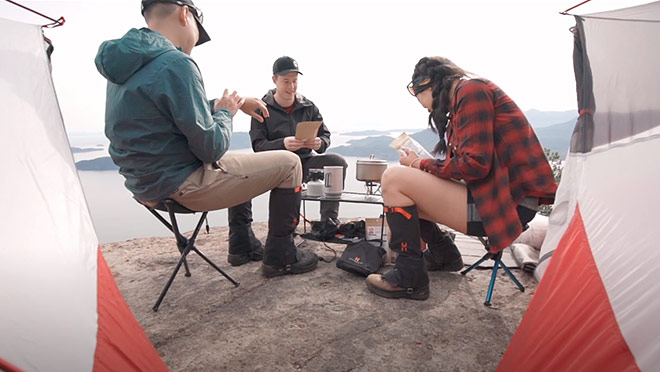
349,197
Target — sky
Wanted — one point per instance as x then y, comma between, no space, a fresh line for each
357,56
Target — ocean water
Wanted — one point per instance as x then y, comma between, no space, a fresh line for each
118,217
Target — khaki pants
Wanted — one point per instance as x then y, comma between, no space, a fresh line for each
237,178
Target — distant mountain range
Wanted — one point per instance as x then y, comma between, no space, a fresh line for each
553,135
98,164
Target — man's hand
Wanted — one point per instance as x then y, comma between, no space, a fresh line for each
231,102
253,106
314,144
293,144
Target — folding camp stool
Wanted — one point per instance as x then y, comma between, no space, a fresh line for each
497,257
185,245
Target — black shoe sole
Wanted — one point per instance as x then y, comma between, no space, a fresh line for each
273,271
419,294
451,266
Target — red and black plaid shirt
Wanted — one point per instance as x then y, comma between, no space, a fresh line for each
494,149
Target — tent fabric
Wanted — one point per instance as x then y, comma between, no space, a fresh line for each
597,301
58,300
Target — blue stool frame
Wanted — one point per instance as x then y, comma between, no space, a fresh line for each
497,257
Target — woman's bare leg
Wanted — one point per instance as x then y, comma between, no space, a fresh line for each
437,199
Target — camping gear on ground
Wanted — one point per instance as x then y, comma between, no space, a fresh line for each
333,177
526,256
60,307
185,245
333,231
405,141
361,258
315,183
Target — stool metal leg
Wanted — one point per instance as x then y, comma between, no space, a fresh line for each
189,246
476,264
497,258
506,270
171,279
232,280
491,286
181,241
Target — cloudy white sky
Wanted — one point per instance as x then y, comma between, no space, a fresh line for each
356,55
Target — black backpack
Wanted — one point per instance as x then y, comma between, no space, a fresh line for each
362,258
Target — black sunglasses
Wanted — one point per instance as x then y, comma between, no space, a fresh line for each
415,88
199,16
197,13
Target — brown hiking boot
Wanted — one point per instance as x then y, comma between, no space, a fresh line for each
379,286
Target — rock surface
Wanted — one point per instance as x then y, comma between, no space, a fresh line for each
325,320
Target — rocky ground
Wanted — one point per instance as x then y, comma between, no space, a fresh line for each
325,320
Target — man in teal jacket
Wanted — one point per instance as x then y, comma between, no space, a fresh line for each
169,141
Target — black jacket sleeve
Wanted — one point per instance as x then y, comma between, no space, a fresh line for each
259,138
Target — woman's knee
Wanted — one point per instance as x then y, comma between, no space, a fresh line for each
392,177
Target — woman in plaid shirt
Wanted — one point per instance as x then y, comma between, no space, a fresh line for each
488,178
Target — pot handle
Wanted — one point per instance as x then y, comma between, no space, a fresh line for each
327,179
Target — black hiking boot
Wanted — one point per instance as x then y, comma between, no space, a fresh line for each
243,245
281,256
409,278
442,254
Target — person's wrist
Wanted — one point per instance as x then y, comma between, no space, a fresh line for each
412,163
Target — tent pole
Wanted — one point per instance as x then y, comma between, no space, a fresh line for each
56,22
565,12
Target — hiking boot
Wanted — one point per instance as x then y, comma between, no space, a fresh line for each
255,253
442,254
243,245
377,284
305,262
281,256
408,278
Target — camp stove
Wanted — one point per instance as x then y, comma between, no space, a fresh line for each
372,187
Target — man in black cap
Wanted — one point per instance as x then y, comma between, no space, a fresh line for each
287,108
169,141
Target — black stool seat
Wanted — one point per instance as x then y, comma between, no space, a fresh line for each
184,244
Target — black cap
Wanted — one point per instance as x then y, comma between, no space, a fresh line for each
197,13
284,65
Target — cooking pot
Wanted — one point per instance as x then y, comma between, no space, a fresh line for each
370,170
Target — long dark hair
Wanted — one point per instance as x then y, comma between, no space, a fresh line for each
442,72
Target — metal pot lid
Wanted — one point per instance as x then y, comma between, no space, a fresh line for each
371,161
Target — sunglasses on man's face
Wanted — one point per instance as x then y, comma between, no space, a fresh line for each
415,89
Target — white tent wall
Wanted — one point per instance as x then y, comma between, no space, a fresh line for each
48,293
60,309
624,57
597,304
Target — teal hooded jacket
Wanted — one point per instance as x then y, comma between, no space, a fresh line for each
159,122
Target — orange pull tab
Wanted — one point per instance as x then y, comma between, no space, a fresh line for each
399,210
